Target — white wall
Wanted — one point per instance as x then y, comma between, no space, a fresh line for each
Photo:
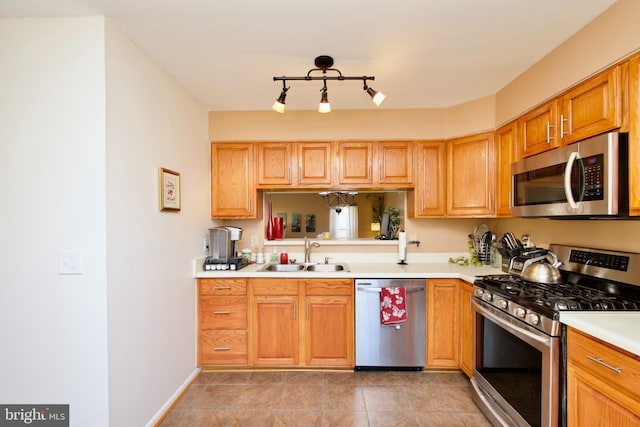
52,170
85,121
151,122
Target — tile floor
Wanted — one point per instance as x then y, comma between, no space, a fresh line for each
323,398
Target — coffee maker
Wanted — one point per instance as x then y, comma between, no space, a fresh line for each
222,249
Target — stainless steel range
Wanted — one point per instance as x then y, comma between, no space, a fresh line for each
519,340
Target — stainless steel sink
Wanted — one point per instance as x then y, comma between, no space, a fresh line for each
292,268
326,267
283,267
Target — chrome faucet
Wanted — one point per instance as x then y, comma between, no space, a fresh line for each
308,244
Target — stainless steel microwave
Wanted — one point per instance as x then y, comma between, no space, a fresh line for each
585,179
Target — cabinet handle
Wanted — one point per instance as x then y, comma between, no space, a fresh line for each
295,310
221,348
603,363
221,312
222,287
510,201
562,120
549,138
307,312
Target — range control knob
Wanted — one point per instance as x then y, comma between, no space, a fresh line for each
533,318
502,303
520,312
487,297
478,293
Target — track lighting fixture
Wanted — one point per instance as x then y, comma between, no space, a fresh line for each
323,64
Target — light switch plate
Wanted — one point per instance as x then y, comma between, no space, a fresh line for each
70,262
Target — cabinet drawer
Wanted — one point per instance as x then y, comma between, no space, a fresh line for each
274,287
223,347
223,313
211,287
582,350
329,287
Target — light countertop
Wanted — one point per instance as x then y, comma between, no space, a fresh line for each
621,328
366,270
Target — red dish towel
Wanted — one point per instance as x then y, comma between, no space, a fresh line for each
393,308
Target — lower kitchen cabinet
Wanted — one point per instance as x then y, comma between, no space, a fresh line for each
222,322
274,322
602,383
442,323
466,328
329,323
302,322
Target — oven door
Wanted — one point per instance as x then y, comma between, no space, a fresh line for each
516,370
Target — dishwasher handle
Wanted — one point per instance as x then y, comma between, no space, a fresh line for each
379,289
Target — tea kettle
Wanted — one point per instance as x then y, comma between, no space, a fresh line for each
543,269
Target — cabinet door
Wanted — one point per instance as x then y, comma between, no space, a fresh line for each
602,383
395,162
442,323
355,163
505,155
315,164
329,330
428,199
466,328
591,108
471,176
275,164
537,130
274,332
233,186
634,135
592,402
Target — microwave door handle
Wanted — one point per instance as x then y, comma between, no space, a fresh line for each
567,179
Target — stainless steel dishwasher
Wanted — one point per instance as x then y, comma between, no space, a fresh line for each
390,346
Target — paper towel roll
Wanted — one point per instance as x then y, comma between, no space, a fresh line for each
402,246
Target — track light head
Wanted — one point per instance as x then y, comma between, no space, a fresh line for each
325,106
279,105
376,97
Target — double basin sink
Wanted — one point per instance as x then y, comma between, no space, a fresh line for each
302,268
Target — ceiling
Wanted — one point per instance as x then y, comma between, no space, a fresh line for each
423,53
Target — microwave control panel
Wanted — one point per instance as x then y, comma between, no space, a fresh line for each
593,177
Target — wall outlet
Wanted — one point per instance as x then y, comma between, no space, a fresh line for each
70,262
205,245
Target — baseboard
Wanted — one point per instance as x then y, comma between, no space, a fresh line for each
164,410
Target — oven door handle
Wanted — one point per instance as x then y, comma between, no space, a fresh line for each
526,335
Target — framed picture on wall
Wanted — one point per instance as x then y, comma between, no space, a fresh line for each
169,184
311,223
296,225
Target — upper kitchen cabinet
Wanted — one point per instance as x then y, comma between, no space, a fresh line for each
506,138
233,182
275,164
471,176
592,107
315,164
538,130
395,163
355,167
634,136
428,199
